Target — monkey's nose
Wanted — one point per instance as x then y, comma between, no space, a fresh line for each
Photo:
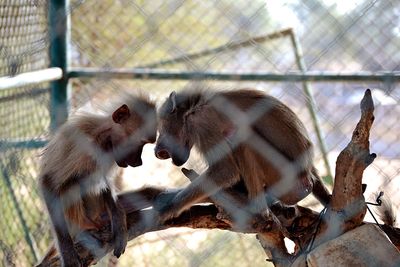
162,154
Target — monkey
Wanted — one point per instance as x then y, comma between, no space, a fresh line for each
245,136
131,201
77,165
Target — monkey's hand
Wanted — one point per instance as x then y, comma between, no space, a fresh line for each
166,206
71,259
190,174
120,232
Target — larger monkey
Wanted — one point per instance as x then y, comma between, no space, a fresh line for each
76,169
244,135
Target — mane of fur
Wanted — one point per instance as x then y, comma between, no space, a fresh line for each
72,149
136,101
187,99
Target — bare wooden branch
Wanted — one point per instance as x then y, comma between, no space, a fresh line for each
274,246
352,161
92,246
347,208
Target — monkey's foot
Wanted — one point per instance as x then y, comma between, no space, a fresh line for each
166,206
120,242
164,200
120,232
168,213
285,213
266,221
263,222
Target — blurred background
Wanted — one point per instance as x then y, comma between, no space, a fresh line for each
347,44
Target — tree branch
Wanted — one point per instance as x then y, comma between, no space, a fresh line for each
347,208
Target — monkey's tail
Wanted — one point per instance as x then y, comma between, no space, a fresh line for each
386,212
319,189
140,199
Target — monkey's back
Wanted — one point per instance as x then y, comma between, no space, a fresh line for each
276,123
68,170
278,148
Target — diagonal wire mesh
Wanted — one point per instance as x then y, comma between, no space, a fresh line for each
339,36
24,116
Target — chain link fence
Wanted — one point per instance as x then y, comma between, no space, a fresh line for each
187,36
24,116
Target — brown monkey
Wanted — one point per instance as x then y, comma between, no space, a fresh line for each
77,165
245,136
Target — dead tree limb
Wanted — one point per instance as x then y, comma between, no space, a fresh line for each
197,217
347,207
346,211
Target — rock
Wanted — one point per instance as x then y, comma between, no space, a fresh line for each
366,245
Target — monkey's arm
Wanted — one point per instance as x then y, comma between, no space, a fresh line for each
66,246
118,223
220,175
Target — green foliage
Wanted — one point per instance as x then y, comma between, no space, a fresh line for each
328,179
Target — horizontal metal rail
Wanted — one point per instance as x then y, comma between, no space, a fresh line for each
30,94
293,76
30,78
25,144
223,48
51,74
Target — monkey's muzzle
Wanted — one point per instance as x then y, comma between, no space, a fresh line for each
135,163
133,159
178,155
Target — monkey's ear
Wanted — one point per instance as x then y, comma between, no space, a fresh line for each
172,99
121,114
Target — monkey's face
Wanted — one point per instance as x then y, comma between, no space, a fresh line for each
131,132
128,154
174,140
171,143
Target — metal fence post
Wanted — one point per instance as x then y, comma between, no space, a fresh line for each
20,214
59,34
312,107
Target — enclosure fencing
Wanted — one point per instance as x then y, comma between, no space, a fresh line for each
316,56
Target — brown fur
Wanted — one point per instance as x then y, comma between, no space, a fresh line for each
77,166
244,135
